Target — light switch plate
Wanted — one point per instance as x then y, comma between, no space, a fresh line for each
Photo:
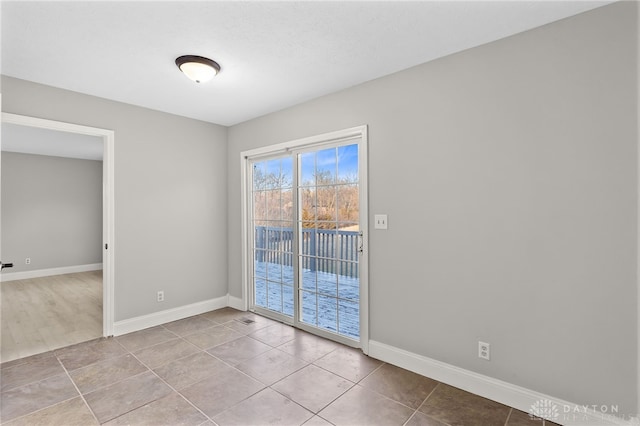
380,221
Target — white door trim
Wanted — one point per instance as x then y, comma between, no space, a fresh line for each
360,132
108,230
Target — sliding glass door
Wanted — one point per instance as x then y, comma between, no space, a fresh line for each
305,240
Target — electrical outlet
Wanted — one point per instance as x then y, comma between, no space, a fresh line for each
484,351
380,221
27,261
160,296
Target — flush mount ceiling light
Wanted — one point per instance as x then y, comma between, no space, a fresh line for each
198,68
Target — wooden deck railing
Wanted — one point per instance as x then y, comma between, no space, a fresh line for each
325,250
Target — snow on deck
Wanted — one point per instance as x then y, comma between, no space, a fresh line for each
329,301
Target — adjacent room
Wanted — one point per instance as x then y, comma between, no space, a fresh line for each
52,223
347,213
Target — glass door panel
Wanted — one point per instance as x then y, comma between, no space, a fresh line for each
272,213
329,234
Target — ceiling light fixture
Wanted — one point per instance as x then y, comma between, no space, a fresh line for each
198,68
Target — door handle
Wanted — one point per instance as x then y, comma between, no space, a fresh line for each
5,265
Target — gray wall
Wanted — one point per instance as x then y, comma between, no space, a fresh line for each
170,195
508,173
51,211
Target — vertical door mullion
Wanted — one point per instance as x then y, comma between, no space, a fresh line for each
296,228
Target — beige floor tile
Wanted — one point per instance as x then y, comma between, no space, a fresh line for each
163,353
317,421
271,366
73,412
349,363
308,347
421,419
171,410
264,408
358,406
313,387
250,323
401,385
213,336
188,370
520,418
224,315
145,338
25,360
457,408
119,398
83,354
36,396
275,335
189,325
239,350
221,391
37,369
107,372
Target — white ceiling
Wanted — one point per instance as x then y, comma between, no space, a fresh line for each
33,140
273,54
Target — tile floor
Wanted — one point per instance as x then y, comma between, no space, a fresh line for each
215,369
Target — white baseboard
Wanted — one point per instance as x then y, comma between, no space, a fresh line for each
236,303
569,414
162,317
25,275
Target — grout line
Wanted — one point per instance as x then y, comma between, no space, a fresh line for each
372,371
78,390
170,387
506,422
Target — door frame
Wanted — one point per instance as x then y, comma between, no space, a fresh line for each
108,228
294,145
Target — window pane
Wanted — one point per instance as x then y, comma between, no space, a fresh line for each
348,203
327,280
260,205
326,204
326,247
347,249
308,275
274,296
274,211
259,175
287,238
326,167
261,292
287,299
287,274
272,180
287,172
349,318
348,282
308,204
328,313
308,169
286,200
348,164
309,312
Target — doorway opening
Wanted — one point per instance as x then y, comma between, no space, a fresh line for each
85,278
305,231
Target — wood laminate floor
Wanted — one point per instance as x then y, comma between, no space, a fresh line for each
43,314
